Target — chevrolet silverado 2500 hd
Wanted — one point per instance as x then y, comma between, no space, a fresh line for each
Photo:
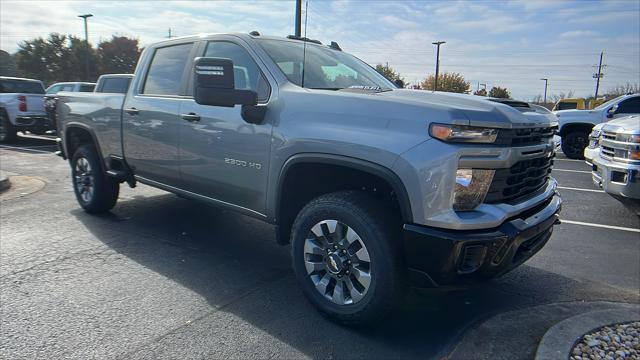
373,186
21,108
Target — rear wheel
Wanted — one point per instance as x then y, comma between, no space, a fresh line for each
7,130
345,257
574,143
95,191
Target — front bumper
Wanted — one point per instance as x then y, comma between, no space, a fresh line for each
437,257
616,178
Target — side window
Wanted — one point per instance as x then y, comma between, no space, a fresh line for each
247,75
86,88
54,89
115,85
66,87
629,106
164,76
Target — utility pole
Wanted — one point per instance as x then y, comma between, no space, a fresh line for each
546,81
86,40
599,75
437,43
298,31
169,36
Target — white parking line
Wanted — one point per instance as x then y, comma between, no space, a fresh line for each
574,171
558,159
600,225
27,149
579,189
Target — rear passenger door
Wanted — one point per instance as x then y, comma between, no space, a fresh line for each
151,114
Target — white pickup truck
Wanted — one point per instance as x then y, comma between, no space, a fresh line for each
575,125
21,107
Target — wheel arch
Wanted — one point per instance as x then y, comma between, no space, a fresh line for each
76,135
285,212
568,128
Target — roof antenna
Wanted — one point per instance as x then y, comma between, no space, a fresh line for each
304,46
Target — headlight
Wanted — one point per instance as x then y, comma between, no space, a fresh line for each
471,188
462,133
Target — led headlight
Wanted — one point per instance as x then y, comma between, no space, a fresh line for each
594,139
471,188
463,133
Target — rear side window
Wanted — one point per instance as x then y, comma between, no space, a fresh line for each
66,87
165,72
54,89
115,85
87,88
20,86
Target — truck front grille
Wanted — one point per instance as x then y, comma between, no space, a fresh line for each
521,180
608,151
525,137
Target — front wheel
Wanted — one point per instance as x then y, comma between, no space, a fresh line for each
574,143
345,257
95,191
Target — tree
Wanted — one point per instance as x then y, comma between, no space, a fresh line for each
618,90
388,72
118,55
7,65
480,92
449,82
58,58
498,92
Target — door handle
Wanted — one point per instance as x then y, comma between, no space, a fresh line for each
132,111
190,117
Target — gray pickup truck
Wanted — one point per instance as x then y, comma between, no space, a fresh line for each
374,187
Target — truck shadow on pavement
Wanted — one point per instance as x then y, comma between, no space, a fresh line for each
233,262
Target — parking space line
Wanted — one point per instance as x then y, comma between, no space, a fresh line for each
558,159
600,225
579,189
573,171
27,149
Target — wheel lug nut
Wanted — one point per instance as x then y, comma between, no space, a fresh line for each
349,262
347,272
335,246
344,251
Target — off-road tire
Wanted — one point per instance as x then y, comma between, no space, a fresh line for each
381,236
574,143
105,189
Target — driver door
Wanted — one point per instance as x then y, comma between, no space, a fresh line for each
223,157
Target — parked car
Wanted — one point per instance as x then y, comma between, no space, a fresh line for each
616,167
53,90
575,125
373,186
113,83
21,107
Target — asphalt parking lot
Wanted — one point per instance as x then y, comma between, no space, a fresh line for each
164,277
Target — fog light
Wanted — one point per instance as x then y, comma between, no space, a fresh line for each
471,188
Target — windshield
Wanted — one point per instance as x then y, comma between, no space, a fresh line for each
323,68
21,87
608,103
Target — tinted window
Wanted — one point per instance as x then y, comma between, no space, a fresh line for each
115,85
21,86
66,87
247,75
629,106
87,88
567,106
165,73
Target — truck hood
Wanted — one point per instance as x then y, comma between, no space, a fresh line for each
478,110
627,124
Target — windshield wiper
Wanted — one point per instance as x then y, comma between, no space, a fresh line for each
322,88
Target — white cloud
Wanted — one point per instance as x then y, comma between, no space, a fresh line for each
578,34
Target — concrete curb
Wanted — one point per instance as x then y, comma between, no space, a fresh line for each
4,181
559,340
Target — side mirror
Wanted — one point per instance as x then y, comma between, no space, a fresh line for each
612,110
399,83
215,84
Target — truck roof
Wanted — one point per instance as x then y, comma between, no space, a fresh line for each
17,78
252,35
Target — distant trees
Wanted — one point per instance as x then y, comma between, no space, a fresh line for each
62,58
627,88
448,82
498,92
8,65
390,73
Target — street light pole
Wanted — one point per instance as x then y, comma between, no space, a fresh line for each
546,81
86,40
437,43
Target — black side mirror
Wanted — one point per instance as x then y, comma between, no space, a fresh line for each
215,84
612,110
399,83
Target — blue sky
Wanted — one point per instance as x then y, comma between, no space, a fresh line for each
500,43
